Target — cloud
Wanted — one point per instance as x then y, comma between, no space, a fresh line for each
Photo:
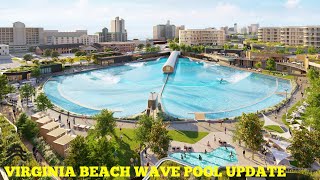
292,4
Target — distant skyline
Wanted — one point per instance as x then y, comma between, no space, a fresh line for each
141,15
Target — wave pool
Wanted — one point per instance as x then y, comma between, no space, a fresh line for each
193,87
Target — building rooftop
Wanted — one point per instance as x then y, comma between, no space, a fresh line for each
55,46
57,132
44,120
50,125
65,139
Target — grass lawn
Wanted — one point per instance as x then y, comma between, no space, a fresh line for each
274,128
187,136
129,147
293,108
266,72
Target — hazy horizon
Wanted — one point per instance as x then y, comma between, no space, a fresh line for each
141,15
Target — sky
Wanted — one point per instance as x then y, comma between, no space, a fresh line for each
141,15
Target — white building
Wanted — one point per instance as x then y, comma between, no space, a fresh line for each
53,37
118,32
164,32
89,39
4,52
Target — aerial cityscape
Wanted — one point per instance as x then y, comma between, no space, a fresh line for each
103,89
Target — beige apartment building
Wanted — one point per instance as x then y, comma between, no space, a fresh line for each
19,37
269,34
202,37
291,35
311,36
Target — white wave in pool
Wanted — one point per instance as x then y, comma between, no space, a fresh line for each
238,77
207,65
158,59
107,78
139,64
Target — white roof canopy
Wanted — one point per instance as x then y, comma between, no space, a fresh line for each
282,144
279,155
269,122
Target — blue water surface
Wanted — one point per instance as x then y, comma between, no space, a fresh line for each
193,87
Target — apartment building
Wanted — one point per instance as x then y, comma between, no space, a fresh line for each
122,47
164,32
291,35
178,28
269,34
89,39
20,38
311,36
202,37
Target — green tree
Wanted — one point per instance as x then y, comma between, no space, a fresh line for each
140,46
107,49
183,47
249,130
305,147
36,62
299,51
88,59
63,61
312,50
226,46
258,65
74,50
79,154
159,139
27,91
176,40
188,48
105,123
271,65
32,49
5,87
47,52
148,45
26,127
70,60
55,54
144,128
81,53
236,46
36,72
27,57
43,102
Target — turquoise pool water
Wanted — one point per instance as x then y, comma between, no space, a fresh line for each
217,157
194,87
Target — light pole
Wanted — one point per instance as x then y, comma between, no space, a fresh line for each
286,102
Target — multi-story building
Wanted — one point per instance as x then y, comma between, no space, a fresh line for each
164,32
122,47
53,37
269,34
103,36
202,37
311,36
20,38
253,28
244,30
178,28
118,32
292,35
89,39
